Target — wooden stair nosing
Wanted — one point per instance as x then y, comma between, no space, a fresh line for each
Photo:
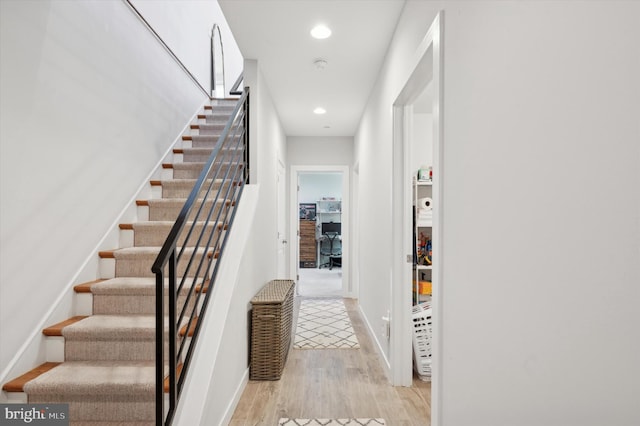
146,202
192,329
167,165
166,380
86,287
110,254
56,329
203,288
17,384
107,254
129,226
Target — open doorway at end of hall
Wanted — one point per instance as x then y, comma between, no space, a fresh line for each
320,252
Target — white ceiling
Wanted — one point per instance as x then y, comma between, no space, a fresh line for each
276,33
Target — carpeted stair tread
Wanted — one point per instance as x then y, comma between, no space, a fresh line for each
154,233
215,118
181,188
135,295
206,149
135,379
17,384
56,329
216,126
169,201
112,327
199,153
131,286
146,251
170,208
137,261
113,338
192,170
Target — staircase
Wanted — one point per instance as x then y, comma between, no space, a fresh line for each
104,364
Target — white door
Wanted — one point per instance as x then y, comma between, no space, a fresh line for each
281,214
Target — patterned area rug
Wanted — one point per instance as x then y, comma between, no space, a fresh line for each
331,422
324,324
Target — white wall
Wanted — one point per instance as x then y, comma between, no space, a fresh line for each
90,104
320,151
218,371
541,146
422,138
170,19
314,186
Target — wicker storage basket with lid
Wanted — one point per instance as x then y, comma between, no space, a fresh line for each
271,321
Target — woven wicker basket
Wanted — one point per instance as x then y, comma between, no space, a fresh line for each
271,319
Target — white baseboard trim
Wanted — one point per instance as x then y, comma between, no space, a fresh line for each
385,361
233,404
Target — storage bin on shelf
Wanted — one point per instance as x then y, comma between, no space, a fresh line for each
422,287
271,322
422,337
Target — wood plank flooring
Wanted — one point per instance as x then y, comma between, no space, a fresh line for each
335,383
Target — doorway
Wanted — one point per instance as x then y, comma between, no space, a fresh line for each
422,89
320,253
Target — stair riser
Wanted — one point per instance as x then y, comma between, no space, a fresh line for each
213,127
106,304
148,237
202,155
171,212
131,350
216,120
105,408
116,350
209,141
141,266
171,190
194,172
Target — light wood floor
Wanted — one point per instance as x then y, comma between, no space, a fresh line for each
338,383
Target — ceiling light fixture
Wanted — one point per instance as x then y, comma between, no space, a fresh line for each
320,32
319,110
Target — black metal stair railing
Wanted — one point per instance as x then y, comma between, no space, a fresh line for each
187,264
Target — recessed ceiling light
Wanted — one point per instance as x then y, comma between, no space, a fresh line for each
319,110
327,127
320,32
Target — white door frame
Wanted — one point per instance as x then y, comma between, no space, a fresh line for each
428,66
354,287
281,218
294,240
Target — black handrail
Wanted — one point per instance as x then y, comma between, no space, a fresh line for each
234,90
188,260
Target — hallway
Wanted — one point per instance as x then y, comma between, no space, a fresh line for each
339,383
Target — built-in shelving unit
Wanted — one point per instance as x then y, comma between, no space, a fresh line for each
422,237
329,211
